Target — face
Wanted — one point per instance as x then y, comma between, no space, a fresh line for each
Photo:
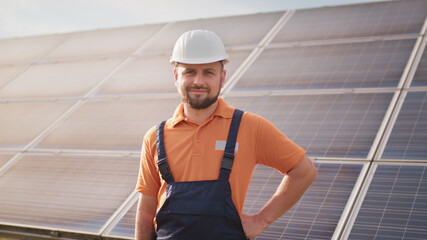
199,84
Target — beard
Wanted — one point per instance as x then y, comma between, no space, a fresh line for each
198,102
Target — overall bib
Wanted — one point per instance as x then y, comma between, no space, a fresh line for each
200,210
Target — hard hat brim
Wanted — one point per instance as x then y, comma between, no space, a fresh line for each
198,61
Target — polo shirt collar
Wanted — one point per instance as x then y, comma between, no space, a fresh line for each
223,110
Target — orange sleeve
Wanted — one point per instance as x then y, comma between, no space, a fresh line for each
148,179
276,150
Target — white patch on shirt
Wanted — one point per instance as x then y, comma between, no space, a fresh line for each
220,145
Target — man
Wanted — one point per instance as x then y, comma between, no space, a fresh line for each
196,166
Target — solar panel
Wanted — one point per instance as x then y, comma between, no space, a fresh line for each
353,65
117,125
328,80
126,226
4,158
22,122
235,30
118,41
144,74
395,205
335,125
22,50
420,77
62,79
364,20
408,139
8,72
153,74
54,191
316,215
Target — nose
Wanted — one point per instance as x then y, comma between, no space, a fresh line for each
198,79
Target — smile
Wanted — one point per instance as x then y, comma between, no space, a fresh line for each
197,90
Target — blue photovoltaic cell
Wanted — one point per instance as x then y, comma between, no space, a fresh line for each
408,139
334,125
420,77
353,65
316,215
395,206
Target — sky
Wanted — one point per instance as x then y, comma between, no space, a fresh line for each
22,18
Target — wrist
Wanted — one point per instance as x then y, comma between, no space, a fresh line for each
263,220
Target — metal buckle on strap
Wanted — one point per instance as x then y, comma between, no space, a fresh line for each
164,169
227,161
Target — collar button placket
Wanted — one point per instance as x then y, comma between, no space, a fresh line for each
197,142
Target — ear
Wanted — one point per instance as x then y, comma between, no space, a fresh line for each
175,76
223,77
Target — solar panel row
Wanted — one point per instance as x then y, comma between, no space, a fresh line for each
74,110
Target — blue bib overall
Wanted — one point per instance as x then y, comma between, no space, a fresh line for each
199,210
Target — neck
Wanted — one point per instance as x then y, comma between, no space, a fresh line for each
199,116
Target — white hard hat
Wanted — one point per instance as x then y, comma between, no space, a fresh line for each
198,47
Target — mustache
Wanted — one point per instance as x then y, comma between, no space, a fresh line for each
195,87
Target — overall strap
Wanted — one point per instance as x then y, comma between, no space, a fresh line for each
228,157
161,152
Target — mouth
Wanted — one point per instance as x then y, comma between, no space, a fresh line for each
197,90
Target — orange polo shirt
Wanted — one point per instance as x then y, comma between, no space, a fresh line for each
194,152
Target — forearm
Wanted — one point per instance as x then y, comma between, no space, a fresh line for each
290,190
144,230
144,226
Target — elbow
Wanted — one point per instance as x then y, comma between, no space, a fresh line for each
305,170
310,173
313,173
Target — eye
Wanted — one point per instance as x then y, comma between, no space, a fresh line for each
209,72
188,72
